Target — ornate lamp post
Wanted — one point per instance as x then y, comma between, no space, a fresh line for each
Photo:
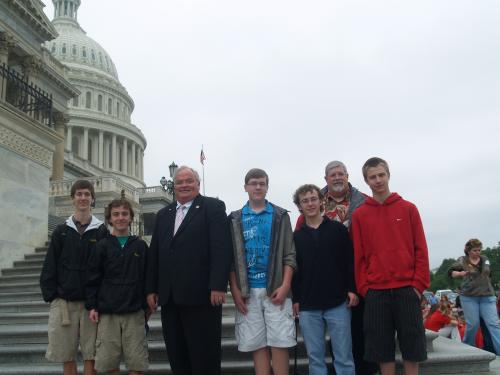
168,185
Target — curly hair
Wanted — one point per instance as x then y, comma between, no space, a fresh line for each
122,202
472,244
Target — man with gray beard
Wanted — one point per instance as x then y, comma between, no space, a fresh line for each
341,199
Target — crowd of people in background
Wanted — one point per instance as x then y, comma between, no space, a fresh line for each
356,266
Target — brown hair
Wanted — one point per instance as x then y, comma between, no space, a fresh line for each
444,307
372,163
256,173
472,244
80,185
122,202
306,189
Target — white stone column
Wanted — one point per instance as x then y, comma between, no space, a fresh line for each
124,156
4,59
132,167
85,151
114,164
60,119
69,137
100,152
141,163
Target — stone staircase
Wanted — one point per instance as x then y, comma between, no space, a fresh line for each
23,328
23,335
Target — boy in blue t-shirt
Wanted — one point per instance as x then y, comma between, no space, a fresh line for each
264,261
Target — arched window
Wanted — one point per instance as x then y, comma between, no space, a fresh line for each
110,106
63,50
84,52
75,145
99,103
73,51
53,50
88,100
117,109
75,101
92,53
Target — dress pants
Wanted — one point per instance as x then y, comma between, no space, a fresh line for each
193,338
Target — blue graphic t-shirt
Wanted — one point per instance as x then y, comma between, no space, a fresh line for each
257,236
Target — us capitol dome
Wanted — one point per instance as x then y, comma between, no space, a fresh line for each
100,137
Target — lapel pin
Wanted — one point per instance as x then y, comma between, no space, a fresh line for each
197,206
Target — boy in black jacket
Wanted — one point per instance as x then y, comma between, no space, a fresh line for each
62,282
115,294
323,285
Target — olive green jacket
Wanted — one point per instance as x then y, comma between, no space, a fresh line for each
477,282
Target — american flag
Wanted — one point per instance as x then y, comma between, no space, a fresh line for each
202,157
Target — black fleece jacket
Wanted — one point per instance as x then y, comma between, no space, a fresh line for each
64,272
116,276
325,266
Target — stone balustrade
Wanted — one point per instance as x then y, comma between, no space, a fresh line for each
101,184
153,192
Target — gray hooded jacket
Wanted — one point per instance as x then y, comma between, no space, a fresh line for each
281,251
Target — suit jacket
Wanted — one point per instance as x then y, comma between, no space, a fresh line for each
187,266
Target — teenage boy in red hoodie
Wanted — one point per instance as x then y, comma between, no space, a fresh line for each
391,270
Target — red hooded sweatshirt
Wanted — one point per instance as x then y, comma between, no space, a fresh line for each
390,250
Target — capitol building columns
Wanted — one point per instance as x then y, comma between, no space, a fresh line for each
110,152
100,156
132,167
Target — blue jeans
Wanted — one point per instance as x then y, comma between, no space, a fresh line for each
338,322
484,307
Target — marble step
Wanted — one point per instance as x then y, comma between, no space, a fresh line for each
32,277
37,333
24,296
161,368
36,312
28,263
21,270
35,353
30,286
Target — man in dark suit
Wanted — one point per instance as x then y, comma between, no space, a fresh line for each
188,270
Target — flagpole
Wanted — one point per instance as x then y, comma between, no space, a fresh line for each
203,170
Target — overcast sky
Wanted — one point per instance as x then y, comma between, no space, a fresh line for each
288,86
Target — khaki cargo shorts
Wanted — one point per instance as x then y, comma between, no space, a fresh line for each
64,339
121,333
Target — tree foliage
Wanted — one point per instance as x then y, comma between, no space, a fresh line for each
440,279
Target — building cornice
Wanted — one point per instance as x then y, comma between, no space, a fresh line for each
34,16
26,137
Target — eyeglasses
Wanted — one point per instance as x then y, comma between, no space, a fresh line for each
309,200
255,184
